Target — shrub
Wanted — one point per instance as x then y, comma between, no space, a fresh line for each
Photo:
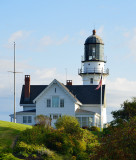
91,141
32,151
94,128
58,140
83,156
71,126
34,136
43,120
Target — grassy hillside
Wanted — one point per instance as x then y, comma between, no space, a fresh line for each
8,133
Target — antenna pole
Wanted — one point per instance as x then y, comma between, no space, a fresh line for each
14,86
66,74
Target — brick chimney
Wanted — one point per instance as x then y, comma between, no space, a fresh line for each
27,87
69,82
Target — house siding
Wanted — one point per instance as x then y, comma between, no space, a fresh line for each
19,118
55,90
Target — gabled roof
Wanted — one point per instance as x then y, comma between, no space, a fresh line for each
86,94
62,87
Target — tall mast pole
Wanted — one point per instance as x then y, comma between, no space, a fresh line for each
101,105
14,85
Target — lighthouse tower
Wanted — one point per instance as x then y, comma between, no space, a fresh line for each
93,64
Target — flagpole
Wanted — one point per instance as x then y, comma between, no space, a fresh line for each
101,125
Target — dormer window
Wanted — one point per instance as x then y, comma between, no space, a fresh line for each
55,101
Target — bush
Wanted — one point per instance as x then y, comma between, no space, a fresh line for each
43,120
71,126
94,128
58,140
83,156
33,151
36,135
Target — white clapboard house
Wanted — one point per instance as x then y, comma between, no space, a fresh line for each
56,99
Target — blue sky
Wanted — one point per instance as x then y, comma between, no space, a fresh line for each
50,37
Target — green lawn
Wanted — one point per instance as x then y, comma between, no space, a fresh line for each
8,133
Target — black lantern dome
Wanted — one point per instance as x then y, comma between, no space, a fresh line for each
94,48
94,39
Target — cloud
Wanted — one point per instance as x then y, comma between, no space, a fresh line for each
45,76
17,36
120,90
6,78
130,41
48,40
61,41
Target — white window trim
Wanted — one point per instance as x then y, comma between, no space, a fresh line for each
27,120
51,102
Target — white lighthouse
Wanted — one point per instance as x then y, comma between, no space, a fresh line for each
93,65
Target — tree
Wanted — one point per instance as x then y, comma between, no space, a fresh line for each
128,111
119,140
119,144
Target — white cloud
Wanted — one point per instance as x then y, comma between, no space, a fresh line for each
48,40
18,35
45,76
61,41
6,78
130,39
120,90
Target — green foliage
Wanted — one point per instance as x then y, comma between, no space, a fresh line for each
8,156
58,140
119,144
82,156
128,111
119,139
35,135
94,128
8,133
43,120
33,151
71,126
91,141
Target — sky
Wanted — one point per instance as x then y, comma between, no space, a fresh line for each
50,38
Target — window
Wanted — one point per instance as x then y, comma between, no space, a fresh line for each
55,116
90,57
90,121
61,102
84,121
27,119
55,101
91,80
93,50
48,103
24,119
